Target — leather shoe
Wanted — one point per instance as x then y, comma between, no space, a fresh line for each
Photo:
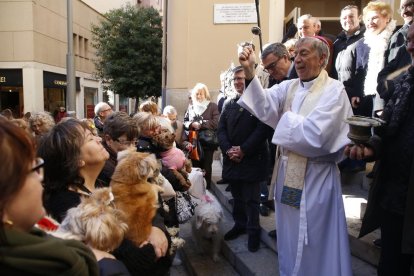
228,188
378,243
221,181
269,204
263,210
253,242
234,233
273,234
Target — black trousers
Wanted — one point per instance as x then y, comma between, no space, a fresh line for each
246,205
392,261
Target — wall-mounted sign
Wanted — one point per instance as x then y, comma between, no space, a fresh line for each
234,13
11,77
54,80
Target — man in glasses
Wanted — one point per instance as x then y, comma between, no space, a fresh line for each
102,111
119,132
276,61
242,139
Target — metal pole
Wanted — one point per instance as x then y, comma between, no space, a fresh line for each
70,65
164,56
258,24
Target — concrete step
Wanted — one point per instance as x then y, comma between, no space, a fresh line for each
199,263
235,257
365,254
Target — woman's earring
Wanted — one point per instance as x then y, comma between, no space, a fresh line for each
81,163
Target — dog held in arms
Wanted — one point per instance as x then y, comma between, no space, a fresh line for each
134,195
95,221
206,225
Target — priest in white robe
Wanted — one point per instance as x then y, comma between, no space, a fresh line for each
308,117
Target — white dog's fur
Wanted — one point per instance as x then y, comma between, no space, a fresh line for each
176,242
206,225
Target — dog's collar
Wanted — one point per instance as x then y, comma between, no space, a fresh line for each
208,199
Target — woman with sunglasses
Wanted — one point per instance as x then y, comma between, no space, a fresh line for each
25,249
119,132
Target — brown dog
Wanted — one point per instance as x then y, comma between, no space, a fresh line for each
134,195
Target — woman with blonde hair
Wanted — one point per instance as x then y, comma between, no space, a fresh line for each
149,106
41,123
202,114
370,52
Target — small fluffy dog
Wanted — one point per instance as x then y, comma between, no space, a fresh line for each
95,222
173,158
134,195
206,225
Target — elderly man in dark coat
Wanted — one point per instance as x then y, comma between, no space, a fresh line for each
243,139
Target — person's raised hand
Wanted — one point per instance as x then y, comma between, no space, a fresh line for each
247,59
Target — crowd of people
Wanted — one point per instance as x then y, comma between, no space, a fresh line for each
57,164
279,121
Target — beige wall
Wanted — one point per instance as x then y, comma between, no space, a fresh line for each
104,6
34,38
198,50
36,31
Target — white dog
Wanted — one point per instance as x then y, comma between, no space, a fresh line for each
206,225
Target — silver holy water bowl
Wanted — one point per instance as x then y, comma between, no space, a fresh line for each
360,128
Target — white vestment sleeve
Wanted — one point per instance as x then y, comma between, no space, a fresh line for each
265,104
323,131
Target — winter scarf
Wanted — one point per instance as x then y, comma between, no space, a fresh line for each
377,43
37,253
198,107
397,107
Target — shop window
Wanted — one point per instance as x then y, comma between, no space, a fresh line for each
90,101
53,98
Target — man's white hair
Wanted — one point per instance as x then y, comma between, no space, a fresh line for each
99,106
169,109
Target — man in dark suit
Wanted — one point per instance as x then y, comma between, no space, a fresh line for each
243,139
276,61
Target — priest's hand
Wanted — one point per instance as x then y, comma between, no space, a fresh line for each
247,59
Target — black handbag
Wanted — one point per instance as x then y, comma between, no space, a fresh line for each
185,206
208,137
